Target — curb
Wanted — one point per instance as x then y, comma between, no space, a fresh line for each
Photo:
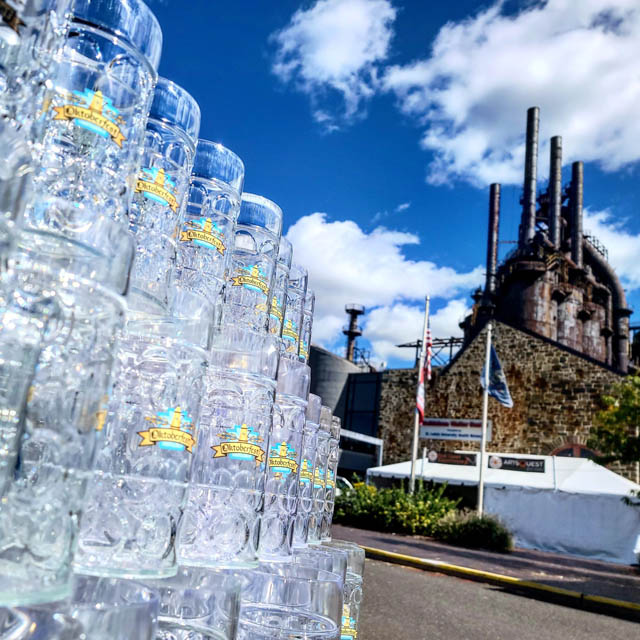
538,590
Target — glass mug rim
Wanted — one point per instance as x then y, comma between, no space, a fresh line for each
208,164
114,17
285,253
167,95
270,222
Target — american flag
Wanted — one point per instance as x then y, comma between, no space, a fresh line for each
425,371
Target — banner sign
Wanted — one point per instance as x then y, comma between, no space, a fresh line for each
516,464
453,429
449,457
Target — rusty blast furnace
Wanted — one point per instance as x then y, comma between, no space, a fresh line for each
557,282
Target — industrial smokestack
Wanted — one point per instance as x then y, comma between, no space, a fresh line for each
528,223
577,188
352,330
555,190
492,240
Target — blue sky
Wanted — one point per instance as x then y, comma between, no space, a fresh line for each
377,126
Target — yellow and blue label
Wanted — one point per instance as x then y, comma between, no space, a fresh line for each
205,233
348,630
240,442
252,278
95,112
330,480
306,472
290,335
172,430
158,186
275,312
318,478
282,459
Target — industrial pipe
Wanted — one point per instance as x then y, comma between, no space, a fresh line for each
555,190
577,189
492,240
528,223
620,311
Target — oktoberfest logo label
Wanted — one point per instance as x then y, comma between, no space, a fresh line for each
318,478
94,112
282,459
173,430
205,233
306,472
290,335
240,443
330,479
10,15
156,185
348,630
251,277
276,313
304,349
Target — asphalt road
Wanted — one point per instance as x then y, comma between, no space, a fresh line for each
401,603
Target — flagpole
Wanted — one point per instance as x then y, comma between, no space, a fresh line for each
485,410
416,420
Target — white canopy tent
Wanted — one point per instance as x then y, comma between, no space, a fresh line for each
575,506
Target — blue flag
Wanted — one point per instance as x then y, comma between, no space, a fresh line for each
497,381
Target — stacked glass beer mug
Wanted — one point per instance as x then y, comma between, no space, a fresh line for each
164,471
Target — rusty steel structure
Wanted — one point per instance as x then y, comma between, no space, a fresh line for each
352,330
557,282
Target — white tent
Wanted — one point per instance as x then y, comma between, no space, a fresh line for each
575,506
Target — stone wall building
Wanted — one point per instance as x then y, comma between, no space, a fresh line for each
556,392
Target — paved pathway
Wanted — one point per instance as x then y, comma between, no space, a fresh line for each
408,604
585,576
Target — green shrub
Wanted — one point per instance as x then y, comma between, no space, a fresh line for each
393,510
468,529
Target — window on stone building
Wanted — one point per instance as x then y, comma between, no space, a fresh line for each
573,450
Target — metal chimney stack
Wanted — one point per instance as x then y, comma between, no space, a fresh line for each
528,223
353,330
492,240
555,191
577,189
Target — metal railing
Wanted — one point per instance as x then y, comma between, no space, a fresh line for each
597,245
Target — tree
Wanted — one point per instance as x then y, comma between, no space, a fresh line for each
616,432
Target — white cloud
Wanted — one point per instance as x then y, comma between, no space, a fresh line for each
335,48
578,61
623,247
399,323
403,206
346,264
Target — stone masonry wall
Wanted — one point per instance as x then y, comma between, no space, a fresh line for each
555,393
396,413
